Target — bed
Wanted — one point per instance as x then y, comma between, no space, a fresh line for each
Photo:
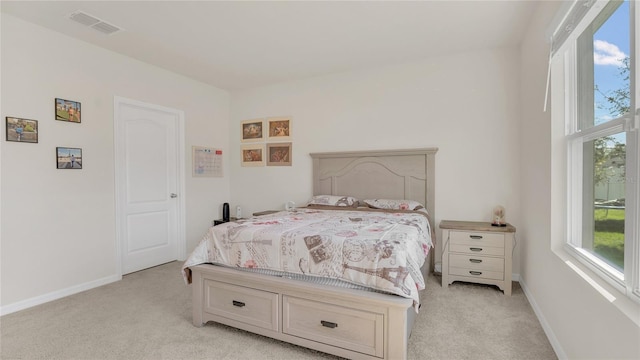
367,314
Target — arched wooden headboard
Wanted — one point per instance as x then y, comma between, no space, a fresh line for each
378,174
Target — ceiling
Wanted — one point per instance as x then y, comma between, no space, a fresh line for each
244,44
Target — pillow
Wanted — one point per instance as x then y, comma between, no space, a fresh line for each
394,204
333,200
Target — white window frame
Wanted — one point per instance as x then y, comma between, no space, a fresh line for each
566,56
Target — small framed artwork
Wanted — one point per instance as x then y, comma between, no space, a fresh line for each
279,128
253,155
67,110
68,158
252,130
279,154
21,130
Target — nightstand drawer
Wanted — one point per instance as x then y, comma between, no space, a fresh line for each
480,239
478,250
476,262
484,274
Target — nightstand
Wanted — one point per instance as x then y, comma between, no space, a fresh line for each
477,252
220,221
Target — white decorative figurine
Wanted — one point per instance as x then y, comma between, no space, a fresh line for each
499,216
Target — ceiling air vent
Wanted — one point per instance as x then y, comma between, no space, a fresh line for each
105,28
93,22
84,19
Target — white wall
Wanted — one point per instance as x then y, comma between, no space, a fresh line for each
580,322
482,109
58,226
467,105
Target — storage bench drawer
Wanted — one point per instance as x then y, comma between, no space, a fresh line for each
239,303
348,328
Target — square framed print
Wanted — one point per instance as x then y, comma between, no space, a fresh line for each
68,110
279,128
21,130
253,155
279,154
252,130
68,158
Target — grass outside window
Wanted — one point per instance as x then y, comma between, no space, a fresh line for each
608,239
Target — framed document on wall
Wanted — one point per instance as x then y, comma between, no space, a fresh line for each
207,162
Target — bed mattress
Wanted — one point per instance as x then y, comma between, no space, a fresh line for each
379,250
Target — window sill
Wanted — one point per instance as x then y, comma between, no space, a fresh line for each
628,306
601,269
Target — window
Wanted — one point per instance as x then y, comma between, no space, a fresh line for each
594,69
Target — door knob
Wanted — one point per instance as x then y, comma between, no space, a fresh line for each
173,195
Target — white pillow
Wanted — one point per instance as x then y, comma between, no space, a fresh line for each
333,200
394,204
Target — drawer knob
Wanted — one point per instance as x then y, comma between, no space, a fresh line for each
476,237
476,261
238,303
475,249
328,324
475,272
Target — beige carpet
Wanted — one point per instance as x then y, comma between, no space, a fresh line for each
147,315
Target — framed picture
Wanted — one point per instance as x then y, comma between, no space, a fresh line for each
252,130
253,155
21,130
279,154
68,158
67,110
279,128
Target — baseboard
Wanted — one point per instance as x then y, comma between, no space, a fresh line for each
55,295
543,321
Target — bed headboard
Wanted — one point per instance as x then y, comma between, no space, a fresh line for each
379,174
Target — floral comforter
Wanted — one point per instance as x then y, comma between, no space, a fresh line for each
380,249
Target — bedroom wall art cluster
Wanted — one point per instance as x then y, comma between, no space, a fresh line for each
272,152
26,131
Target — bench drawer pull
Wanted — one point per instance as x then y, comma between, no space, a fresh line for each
238,303
475,272
476,237
328,324
475,261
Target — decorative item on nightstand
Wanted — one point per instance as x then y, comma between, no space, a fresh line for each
290,206
225,212
498,216
225,216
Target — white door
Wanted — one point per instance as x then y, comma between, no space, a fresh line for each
148,183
